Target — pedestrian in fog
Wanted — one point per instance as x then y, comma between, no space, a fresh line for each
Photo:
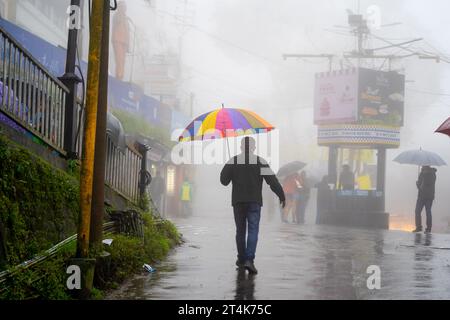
346,179
323,198
246,172
290,186
186,198
304,191
426,188
157,187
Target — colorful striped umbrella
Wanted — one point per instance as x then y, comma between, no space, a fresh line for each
224,123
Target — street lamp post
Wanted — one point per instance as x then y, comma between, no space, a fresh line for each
71,81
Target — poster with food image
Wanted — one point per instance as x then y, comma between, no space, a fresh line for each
336,97
381,97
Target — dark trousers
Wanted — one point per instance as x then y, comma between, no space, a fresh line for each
247,217
186,208
421,203
300,212
300,209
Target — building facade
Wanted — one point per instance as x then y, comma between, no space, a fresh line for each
40,26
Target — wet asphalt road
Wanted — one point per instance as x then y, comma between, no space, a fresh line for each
296,262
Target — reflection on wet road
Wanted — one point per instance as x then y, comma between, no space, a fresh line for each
297,262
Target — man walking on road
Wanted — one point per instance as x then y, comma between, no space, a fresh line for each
246,171
426,186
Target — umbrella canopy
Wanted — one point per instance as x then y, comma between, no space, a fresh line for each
290,168
223,123
420,158
445,127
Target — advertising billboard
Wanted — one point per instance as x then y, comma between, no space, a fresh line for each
381,97
336,97
359,96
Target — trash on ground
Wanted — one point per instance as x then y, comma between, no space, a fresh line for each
148,268
107,241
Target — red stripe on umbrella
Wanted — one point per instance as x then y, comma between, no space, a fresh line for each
445,127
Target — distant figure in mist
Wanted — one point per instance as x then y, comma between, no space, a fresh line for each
323,198
157,187
246,172
426,186
290,187
346,179
186,198
304,191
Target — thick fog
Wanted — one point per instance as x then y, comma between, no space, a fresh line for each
231,52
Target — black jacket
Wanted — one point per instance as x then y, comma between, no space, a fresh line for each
346,181
246,175
426,183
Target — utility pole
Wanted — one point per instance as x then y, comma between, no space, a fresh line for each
83,260
98,194
92,96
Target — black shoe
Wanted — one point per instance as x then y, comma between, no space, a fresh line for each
427,230
240,264
417,230
250,266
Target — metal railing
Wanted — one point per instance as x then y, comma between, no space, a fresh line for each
122,170
35,99
29,94
122,167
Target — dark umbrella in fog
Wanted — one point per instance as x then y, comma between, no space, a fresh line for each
445,127
290,168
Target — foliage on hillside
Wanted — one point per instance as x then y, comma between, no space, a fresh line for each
38,204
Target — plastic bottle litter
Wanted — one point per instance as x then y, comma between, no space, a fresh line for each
107,241
149,268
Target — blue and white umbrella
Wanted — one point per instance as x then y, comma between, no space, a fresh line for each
420,158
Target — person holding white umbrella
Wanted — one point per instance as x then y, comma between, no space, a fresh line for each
426,186
425,183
